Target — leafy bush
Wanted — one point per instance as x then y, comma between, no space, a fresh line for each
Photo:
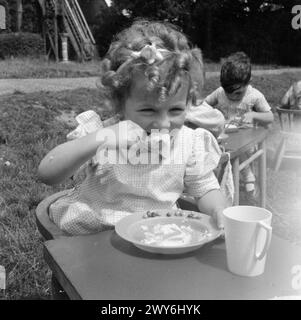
21,44
31,16
260,28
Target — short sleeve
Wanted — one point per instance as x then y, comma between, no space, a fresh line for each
212,98
88,122
261,104
205,116
199,175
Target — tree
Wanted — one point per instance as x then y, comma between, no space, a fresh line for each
109,22
219,27
19,14
183,13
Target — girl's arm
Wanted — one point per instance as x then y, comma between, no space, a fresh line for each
65,159
61,162
213,203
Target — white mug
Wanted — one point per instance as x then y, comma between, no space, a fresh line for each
248,234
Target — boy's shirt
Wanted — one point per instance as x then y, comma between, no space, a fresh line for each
253,100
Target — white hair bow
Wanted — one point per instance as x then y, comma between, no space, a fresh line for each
149,53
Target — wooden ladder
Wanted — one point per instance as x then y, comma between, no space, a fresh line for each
78,30
50,27
73,22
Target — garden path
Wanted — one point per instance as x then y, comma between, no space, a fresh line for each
8,86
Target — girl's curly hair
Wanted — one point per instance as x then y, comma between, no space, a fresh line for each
149,47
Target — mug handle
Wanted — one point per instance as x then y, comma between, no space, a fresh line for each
268,239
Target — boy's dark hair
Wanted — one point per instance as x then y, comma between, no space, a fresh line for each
235,71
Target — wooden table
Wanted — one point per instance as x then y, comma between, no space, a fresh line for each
104,266
238,143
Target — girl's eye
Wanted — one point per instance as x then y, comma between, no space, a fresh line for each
176,110
147,111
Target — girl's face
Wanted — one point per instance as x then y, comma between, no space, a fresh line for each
237,94
144,108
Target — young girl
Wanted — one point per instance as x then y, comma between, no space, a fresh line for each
150,75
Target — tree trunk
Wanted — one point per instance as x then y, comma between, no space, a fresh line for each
19,15
209,32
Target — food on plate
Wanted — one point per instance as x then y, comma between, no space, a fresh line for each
171,213
172,234
231,128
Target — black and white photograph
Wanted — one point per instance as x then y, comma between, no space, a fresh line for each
150,153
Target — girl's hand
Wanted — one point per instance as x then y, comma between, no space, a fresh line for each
213,203
217,217
121,135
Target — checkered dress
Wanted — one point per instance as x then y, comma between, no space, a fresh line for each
111,191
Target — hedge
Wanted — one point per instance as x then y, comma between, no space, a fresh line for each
21,44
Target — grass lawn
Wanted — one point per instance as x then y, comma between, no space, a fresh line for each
22,68
32,124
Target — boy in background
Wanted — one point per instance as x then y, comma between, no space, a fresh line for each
240,103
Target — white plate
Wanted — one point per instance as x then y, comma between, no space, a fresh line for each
132,228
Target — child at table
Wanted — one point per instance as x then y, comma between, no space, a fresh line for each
241,104
292,98
150,75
